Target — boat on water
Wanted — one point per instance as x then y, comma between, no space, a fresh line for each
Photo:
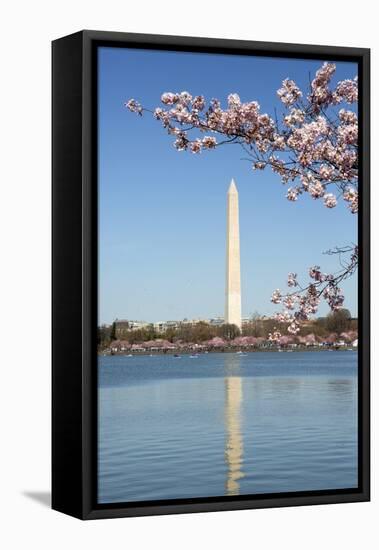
194,356
177,356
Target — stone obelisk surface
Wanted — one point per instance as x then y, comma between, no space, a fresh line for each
233,264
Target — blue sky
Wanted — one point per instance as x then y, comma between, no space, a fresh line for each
162,213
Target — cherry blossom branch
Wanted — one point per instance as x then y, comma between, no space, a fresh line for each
304,301
313,146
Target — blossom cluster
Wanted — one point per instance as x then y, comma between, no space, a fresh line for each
296,116
320,93
274,336
351,196
289,93
134,106
184,112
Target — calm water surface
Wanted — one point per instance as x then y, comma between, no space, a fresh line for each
225,424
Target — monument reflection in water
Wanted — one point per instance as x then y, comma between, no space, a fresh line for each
233,420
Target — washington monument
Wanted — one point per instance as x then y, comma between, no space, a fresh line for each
233,267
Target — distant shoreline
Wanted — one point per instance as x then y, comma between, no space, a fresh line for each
237,351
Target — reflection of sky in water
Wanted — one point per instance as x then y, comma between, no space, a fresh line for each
226,424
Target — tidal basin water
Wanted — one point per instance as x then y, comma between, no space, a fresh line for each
226,424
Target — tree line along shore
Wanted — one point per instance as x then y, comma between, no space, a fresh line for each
336,331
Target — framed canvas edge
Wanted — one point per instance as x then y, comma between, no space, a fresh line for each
87,505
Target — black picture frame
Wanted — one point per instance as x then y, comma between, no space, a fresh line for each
74,272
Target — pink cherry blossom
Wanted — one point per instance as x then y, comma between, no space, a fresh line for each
316,190
209,142
289,93
292,279
347,90
348,117
169,98
292,194
326,172
351,196
274,337
134,106
198,103
296,116
276,297
196,146
330,200
320,93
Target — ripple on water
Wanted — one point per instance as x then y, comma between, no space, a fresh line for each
226,424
